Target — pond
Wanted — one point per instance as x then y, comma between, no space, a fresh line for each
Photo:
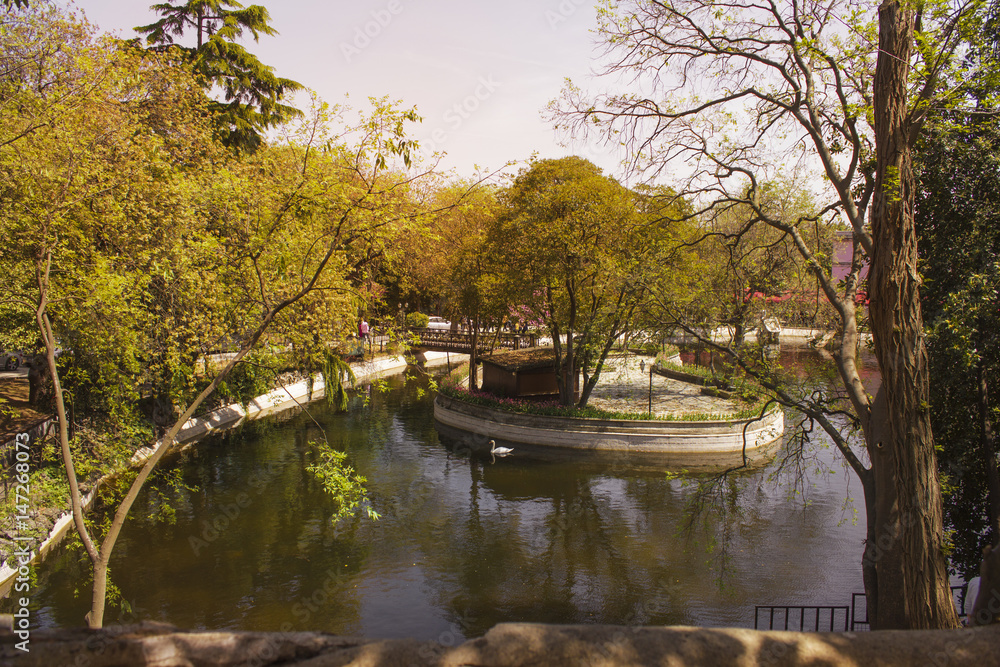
463,543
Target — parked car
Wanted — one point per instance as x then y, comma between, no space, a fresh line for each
438,323
12,359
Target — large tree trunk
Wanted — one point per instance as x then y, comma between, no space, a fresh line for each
40,388
566,362
987,444
912,588
567,372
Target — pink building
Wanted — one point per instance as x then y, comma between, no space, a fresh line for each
842,256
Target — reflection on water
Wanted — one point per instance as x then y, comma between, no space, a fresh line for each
463,543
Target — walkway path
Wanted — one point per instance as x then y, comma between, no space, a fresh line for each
624,387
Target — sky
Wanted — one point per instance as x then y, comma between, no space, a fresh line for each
479,72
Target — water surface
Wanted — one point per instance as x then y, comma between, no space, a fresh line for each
463,543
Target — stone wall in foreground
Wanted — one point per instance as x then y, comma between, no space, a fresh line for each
512,644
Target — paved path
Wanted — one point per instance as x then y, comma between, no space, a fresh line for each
624,387
21,372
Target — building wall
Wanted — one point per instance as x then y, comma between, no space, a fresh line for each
498,381
843,256
536,382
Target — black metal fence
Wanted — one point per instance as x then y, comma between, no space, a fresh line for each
8,451
798,618
832,618
859,606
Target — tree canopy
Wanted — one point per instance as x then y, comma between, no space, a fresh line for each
580,251
742,94
252,94
138,245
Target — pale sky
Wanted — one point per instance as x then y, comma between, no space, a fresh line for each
479,71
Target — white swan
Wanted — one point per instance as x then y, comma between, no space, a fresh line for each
498,451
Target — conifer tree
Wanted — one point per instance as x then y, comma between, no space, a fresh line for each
251,92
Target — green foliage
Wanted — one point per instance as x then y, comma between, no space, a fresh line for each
341,483
958,225
253,376
664,355
581,253
417,320
335,372
251,92
651,348
146,248
7,412
692,369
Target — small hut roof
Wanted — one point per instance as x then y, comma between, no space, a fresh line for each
515,361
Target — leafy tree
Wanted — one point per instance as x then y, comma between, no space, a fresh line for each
956,201
795,83
78,150
746,263
957,221
252,94
577,250
133,241
468,267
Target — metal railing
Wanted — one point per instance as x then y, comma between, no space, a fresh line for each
458,341
958,594
802,618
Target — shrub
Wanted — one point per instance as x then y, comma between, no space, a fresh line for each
417,320
250,378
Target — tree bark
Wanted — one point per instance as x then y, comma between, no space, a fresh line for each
912,587
99,597
40,388
474,356
567,393
989,452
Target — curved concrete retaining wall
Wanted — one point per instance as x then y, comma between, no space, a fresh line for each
646,437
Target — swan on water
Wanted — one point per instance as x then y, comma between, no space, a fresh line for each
498,451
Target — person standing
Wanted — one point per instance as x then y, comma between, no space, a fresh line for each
363,334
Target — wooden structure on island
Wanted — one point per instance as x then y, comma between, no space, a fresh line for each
525,373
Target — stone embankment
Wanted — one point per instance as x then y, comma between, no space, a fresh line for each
510,644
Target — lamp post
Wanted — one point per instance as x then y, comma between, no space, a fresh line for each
651,390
